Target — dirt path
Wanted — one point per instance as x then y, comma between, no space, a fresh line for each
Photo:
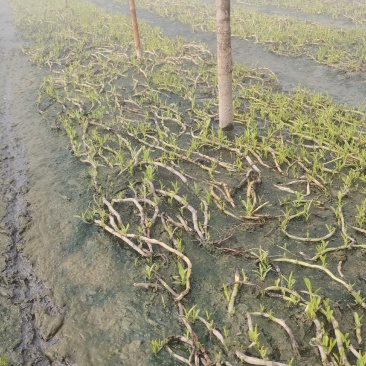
10,314
23,293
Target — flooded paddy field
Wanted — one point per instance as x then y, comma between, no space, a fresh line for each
135,232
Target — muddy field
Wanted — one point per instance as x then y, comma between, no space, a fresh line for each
133,232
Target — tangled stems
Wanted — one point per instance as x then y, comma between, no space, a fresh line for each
166,181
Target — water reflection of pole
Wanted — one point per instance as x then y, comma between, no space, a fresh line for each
135,28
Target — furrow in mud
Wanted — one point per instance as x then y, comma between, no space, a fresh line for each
343,87
24,293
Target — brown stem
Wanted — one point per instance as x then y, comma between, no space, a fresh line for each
257,361
188,207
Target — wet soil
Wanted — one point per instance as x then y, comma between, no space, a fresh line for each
343,87
66,294
21,289
61,302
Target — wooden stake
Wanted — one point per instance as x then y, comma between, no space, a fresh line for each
135,28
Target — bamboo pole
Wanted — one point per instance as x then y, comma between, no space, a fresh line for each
135,28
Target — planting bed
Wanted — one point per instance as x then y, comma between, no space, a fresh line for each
340,48
352,10
191,245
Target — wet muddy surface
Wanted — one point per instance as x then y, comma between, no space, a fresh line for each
61,302
66,287
20,287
